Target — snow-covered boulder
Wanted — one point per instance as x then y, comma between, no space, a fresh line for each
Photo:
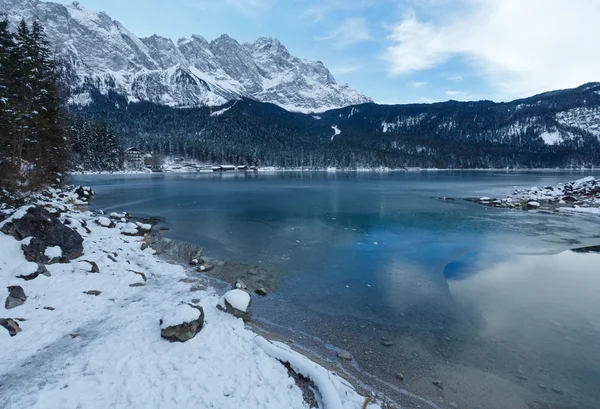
236,302
84,193
533,205
144,227
29,270
105,222
130,229
45,231
16,297
182,323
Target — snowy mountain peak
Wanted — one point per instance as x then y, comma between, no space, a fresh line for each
102,54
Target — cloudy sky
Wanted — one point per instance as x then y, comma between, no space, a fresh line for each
400,51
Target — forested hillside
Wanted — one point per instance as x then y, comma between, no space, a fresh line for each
559,129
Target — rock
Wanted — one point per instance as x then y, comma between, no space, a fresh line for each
95,293
541,386
49,308
140,274
131,229
438,383
84,193
195,301
240,285
205,268
183,323
105,222
144,246
237,303
11,326
30,271
569,199
137,285
387,343
596,190
343,354
16,297
86,266
261,291
522,377
533,205
557,390
399,376
197,288
46,231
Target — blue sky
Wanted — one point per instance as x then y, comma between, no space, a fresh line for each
401,51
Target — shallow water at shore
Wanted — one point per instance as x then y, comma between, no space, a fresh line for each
489,301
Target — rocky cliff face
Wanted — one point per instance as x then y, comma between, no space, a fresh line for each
100,53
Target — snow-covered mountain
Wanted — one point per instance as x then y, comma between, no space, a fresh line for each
102,54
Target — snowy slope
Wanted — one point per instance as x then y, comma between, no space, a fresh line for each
104,55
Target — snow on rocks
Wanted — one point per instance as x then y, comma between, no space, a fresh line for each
86,266
237,303
105,222
582,195
30,271
182,323
45,231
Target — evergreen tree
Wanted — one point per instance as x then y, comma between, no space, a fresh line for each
31,119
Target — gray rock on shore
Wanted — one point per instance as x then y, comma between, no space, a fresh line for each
16,297
45,231
237,303
11,326
183,331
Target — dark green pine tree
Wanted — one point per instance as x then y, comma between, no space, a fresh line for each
7,80
53,151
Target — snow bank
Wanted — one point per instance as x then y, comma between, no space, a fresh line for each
335,392
178,315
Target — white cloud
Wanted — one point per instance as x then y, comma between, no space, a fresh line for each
521,47
418,84
323,8
455,78
248,7
344,69
351,31
454,93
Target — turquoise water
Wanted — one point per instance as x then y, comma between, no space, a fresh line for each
490,300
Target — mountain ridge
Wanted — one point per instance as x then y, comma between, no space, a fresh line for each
101,53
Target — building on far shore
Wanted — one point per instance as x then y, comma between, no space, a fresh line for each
134,158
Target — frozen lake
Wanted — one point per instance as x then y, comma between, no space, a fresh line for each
492,302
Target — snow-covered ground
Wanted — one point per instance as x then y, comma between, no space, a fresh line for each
78,349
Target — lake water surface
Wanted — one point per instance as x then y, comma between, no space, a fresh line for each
491,302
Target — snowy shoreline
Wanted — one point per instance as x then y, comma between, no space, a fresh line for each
579,196
272,169
88,324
